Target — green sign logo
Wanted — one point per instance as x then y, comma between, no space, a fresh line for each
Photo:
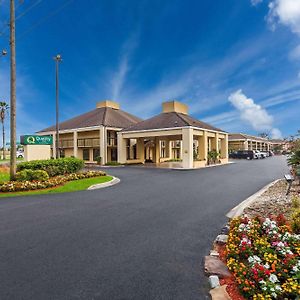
37,140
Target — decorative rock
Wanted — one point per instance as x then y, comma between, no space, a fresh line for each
221,239
219,293
225,230
214,253
214,281
214,266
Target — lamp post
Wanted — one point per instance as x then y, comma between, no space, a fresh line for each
57,59
2,113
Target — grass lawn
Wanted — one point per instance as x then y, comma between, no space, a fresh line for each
71,186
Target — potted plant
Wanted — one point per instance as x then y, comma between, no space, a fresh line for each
98,160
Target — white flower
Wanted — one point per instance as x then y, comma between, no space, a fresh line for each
254,259
278,287
267,266
273,278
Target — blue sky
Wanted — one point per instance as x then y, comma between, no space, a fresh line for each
213,55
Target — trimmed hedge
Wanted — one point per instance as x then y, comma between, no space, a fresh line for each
31,175
19,186
54,167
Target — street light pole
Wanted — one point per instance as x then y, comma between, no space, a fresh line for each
2,115
13,125
57,59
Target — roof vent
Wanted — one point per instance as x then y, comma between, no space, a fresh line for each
108,103
175,106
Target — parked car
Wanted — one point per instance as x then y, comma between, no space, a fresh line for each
20,154
246,154
265,154
260,154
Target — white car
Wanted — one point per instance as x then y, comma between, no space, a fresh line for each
260,154
266,154
20,154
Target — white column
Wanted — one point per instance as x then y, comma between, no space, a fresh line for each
75,147
157,150
121,148
202,146
224,147
181,150
103,145
187,148
170,150
140,149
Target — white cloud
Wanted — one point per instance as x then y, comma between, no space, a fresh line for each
255,2
253,114
276,133
119,77
295,53
285,12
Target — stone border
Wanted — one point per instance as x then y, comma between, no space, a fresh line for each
214,267
239,209
115,180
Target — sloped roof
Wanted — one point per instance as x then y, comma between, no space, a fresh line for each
105,116
243,136
170,120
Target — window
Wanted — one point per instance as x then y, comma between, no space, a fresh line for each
86,154
62,153
162,149
96,154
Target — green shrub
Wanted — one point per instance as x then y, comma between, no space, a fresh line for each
294,159
212,157
295,214
296,220
19,186
113,163
31,175
54,167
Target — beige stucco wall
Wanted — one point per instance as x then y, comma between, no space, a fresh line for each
36,152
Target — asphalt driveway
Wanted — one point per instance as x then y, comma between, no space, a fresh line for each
144,238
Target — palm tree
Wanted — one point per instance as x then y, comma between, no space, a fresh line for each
3,112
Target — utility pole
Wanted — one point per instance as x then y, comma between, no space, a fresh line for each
57,59
13,135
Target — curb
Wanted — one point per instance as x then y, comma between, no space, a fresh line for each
202,168
98,186
218,290
238,210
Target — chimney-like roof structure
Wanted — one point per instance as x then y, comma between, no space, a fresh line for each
175,114
107,113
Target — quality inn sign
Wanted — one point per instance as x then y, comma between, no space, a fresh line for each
36,140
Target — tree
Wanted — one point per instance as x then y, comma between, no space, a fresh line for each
264,135
3,112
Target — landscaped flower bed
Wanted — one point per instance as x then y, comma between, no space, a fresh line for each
264,257
18,186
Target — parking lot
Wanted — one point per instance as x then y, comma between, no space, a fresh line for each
144,238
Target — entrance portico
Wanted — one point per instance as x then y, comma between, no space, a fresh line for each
187,144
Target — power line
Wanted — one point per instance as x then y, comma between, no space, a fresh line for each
6,23
28,9
45,18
